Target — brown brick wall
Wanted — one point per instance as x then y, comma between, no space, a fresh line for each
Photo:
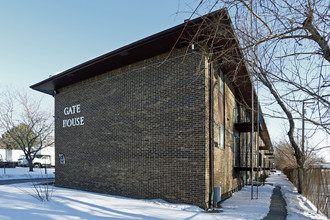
143,134
225,176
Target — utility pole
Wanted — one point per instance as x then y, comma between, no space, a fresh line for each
252,105
303,130
252,140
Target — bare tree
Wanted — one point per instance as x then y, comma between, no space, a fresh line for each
25,124
285,156
284,44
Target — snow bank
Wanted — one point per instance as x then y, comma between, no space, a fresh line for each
298,206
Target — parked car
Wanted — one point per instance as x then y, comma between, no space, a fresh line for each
2,162
7,164
38,161
275,172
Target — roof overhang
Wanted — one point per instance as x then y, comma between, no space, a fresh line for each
162,42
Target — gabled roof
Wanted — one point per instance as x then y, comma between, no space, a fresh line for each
140,50
162,42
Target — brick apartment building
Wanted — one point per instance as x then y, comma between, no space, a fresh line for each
157,119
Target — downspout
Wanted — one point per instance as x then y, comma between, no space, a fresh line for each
211,154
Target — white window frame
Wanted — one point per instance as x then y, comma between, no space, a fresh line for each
221,135
221,84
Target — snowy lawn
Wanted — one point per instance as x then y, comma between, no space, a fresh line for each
23,173
17,203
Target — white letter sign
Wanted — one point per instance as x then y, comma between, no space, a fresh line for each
75,121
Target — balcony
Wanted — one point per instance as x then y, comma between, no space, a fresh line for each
269,153
245,126
242,162
249,168
264,147
243,121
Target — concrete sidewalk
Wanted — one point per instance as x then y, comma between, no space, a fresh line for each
277,209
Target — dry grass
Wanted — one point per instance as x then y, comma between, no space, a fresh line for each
41,190
316,187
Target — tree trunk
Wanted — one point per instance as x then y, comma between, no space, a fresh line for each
297,152
30,163
300,179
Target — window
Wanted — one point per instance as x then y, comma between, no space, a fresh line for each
236,149
221,87
221,112
260,160
237,112
221,136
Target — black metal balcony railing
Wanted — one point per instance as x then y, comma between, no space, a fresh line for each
242,116
242,161
243,122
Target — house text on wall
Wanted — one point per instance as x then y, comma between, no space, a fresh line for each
76,121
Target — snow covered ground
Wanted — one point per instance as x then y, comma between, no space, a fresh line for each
16,202
298,206
23,173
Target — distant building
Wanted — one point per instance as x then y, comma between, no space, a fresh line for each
135,122
12,155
